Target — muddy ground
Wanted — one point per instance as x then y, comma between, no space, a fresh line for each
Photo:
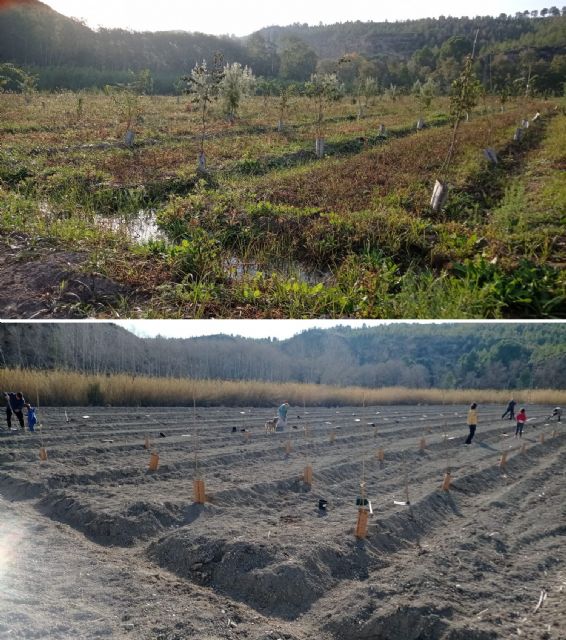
94,545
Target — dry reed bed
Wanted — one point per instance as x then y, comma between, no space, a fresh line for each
63,388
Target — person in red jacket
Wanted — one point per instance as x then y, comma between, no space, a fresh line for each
521,419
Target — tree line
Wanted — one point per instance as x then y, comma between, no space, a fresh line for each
511,51
448,356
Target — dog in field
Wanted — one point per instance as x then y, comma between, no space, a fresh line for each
270,425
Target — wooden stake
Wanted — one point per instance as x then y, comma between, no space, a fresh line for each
554,433
199,492
447,481
422,444
307,475
146,443
333,436
542,438
43,454
288,447
380,455
362,524
154,461
503,460
524,448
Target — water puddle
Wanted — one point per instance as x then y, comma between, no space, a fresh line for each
140,228
238,269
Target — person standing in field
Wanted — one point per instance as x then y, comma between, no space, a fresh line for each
472,422
282,417
521,419
510,409
14,405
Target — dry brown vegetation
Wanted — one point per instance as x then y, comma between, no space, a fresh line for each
56,388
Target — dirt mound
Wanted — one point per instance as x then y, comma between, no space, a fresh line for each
41,282
140,521
283,579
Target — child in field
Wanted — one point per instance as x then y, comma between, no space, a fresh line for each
472,422
521,419
32,417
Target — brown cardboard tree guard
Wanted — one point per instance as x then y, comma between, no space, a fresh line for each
153,461
43,454
380,455
362,524
307,474
198,491
447,481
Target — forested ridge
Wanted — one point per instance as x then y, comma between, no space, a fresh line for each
65,53
419,356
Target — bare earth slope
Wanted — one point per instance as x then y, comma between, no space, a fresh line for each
93,545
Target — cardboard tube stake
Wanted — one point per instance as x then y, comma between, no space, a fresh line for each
154,462
362,524
198,491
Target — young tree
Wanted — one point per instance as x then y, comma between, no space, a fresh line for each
464,96
366,89
322,89
203,85
237,82
129,108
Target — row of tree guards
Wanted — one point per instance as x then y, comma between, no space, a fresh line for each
363,503
441,189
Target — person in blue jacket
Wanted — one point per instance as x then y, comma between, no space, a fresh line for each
15,404
32,417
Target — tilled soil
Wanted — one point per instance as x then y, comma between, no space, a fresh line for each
94,545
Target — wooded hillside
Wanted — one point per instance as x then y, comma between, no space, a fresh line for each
418,356
67,54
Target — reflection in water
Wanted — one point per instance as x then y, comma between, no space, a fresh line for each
237,269
140,228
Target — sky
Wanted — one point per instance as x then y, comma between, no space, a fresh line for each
246,16
280,329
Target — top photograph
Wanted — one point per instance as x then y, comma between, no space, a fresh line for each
294,160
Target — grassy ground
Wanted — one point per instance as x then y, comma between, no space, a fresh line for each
272,231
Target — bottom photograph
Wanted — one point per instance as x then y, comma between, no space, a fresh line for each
283,480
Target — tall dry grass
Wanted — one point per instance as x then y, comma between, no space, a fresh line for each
64,388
